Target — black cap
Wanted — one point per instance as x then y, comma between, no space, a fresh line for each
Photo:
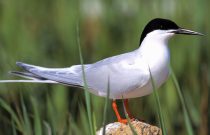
158,24
165,24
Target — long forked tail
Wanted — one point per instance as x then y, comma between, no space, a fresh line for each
29,78
36,74
27,81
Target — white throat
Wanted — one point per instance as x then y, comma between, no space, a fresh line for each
155,52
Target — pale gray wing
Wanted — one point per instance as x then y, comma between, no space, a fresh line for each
68,76
125,73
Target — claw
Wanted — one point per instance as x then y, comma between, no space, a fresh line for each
124,121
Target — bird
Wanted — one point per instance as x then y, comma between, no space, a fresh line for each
127,75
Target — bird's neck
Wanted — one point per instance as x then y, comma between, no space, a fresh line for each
155,52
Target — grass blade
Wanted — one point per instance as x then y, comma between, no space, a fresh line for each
14,132
184,108
106,108
129,121
27,124
87,94
51,113
12,113
48,128
160,114
37,121
73,128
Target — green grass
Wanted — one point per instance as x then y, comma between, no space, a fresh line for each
129,121
106,108
158,105
14,118
43,33
37,121
26,120
87,94
14,131
187,122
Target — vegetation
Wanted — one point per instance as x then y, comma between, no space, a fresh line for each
46,33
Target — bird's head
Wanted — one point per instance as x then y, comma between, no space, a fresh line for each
163,29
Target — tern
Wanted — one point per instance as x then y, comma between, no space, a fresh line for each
129,75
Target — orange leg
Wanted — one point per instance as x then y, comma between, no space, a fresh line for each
114,106
125,101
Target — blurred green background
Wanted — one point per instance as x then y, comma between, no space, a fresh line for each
44,32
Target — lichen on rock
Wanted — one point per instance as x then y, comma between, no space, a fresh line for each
141,128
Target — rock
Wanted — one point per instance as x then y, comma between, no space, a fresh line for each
141,128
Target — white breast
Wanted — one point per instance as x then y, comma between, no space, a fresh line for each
155,52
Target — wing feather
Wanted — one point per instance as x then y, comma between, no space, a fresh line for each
68,76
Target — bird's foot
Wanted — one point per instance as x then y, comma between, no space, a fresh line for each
125,121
